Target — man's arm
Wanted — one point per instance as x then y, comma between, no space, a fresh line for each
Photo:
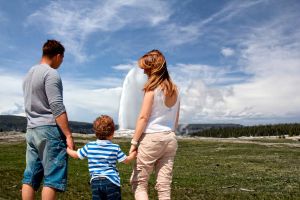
63,123
53,87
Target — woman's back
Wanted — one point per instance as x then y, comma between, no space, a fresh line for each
164,112
170,101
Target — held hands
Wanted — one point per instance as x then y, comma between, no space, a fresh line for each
69,151
70,142
132,149
71,146
133,154
134,146
72,152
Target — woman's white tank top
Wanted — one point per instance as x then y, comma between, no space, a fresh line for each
162,118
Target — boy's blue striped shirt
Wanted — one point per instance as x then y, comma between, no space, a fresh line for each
102,158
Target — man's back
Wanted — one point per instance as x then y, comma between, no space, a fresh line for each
42,89
48,132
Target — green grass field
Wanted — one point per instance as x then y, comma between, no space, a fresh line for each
203,169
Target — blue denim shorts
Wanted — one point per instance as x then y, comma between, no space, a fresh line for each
46,158
104,189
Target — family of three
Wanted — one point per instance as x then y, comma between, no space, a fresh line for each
49,138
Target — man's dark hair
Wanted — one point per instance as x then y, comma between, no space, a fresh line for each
52,47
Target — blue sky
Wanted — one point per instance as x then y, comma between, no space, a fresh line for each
234,61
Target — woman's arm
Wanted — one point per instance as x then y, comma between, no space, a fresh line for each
177,117
72,153
143,118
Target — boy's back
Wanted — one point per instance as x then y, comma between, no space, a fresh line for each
102,158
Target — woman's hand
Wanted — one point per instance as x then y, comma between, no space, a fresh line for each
132,149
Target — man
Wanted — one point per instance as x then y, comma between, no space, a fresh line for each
48,133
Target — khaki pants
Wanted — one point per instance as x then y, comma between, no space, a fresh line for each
155,152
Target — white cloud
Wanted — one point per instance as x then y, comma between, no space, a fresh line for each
11,101
200,103
89,83
268,92
180,34
210,75
74,21
225,51
235,8
273,57
86,104
125,67
231,10
202,100
265,87
84,99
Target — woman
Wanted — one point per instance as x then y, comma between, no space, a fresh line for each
154,136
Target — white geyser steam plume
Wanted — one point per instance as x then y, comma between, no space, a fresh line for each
131,100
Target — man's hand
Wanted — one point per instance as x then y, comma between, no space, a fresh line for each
70,142
72,153
63,123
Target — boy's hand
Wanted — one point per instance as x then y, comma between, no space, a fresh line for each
72,153
130,157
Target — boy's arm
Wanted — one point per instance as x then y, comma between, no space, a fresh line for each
131,157
72,153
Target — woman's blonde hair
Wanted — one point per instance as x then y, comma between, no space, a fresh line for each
155,64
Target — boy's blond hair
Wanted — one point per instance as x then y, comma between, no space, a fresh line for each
104,127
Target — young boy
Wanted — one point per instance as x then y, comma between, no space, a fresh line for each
102,157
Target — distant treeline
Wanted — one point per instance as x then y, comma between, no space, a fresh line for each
12,123
18,123
261,130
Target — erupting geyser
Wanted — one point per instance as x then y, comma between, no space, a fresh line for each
131,100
